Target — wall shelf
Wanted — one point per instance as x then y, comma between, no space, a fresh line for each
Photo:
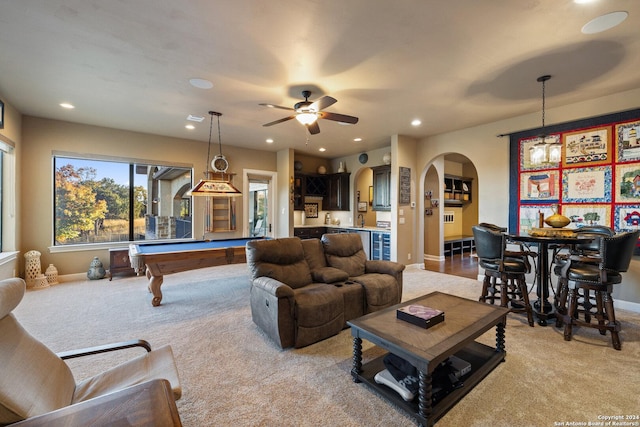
457,190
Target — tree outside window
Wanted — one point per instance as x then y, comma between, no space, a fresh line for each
101,201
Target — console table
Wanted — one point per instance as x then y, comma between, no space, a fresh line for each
465,320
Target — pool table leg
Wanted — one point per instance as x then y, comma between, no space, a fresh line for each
154,287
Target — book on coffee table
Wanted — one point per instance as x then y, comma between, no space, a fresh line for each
420,315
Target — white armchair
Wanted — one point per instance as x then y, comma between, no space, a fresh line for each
34,380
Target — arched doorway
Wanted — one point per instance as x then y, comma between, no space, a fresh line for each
450,210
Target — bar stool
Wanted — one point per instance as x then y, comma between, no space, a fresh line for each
592,247
504,271
598,274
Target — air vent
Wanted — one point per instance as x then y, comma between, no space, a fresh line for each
449,217
193,118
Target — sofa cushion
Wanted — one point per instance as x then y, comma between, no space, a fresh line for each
381,290
329,275
344,251
314,253
319,313
280,259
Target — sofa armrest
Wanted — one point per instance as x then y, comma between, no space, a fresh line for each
329,275
384,267
273,287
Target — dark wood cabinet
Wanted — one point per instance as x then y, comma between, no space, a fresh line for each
298,192
381,188
333,188
308,185
119,262
337,198
309,232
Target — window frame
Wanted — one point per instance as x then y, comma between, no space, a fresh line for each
58,159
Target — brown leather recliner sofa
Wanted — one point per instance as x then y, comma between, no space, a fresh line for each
304,291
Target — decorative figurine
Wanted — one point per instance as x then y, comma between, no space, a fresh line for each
96,270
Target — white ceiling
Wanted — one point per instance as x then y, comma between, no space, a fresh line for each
452,64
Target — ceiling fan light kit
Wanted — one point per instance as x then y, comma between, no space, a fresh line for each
307,113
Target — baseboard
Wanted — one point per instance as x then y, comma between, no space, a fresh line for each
433,258
627,305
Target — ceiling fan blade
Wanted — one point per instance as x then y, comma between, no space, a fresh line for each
338,117
279,121
322,103
276,106
313,128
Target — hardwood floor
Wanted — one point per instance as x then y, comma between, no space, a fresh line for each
457,265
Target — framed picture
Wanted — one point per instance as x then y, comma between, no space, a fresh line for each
311,210
587,185
529,216
1,114
626,217
581,215
628,183
527,148
362,206
540,186
627,142
587,147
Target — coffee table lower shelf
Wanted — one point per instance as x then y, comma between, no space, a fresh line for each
483,360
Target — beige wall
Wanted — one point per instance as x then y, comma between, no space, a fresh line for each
36,139
42,137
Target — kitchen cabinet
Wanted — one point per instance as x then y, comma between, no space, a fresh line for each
457,190
381,188
337,198
308,185
309,232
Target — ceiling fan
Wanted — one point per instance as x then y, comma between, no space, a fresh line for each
308,113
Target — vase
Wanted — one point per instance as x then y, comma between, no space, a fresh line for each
52,274
32,268
96,270
556,220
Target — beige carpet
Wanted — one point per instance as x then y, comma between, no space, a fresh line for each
233,375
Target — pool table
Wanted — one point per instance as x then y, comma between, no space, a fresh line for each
167,258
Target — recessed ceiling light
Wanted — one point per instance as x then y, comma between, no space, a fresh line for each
190,127
416,122
67,106
200,83
269,140
193,118
357,139
322,149
604,22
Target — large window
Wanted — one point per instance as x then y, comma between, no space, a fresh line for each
98,201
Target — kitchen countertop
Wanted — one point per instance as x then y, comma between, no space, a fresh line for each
346,227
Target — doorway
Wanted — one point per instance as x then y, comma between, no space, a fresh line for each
258,199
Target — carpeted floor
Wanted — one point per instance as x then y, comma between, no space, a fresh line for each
233,375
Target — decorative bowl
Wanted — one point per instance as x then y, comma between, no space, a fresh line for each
557,221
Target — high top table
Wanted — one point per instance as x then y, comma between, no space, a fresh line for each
542,308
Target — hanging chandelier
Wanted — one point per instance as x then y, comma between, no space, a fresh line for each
210,186
547,149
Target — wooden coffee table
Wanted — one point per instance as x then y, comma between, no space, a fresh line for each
465,320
